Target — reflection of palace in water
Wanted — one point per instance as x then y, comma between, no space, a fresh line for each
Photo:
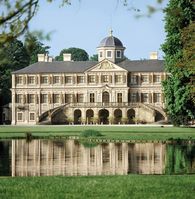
47,157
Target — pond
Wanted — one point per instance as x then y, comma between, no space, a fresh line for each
70,157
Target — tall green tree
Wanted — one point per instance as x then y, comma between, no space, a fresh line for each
177,87
77,54
94,57
13,56
34,47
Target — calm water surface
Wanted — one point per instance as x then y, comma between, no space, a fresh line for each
69,157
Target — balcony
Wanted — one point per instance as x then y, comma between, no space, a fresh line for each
103,105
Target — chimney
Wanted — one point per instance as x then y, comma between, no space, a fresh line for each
44,58
66,57
41,57
154,55
50,59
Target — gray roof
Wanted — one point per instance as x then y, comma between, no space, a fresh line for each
58,67
82,66
110,42
142,65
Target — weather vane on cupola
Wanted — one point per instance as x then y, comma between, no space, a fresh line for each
110,32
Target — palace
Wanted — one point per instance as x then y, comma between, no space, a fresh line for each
112,90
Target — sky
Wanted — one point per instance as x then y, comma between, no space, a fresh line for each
86,22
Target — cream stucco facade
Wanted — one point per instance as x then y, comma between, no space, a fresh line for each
112,90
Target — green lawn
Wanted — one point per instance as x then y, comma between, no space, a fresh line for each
109,132
99,187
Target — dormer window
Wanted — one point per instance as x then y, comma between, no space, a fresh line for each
118,54
109,54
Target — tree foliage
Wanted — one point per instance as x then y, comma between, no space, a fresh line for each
34,47
77,54
94,57
178,48
14,56
16,15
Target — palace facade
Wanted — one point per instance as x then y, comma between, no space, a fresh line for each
111,90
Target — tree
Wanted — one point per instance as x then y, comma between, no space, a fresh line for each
177,87
94,57
13,56
16,15
77,54
34,47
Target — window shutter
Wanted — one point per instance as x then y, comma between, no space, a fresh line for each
73,79
97,79
162,77
24,79
110,77
137,96
124,78
141,97
150,78
162,97
150,97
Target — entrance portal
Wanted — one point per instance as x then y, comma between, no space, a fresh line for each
103,116
105,97
89,116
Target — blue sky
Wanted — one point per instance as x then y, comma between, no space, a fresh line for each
86,22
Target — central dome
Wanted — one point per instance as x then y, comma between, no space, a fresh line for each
110,41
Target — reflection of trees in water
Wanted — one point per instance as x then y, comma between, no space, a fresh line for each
5,158
180,159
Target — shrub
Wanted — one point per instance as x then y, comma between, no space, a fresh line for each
90,133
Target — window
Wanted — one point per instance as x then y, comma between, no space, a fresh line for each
56,79
118,54
157,78
44,80
32,116
101,54
19,98
134,79
105,78
81,79
68,79
80,98
144,78
31,98
118,78
119,97
19,80
56,98
68,98
145,97
31,80
44,98
92,97
133,97
157,97
109,54
20,116
91,78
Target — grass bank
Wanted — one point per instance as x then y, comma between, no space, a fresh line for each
99,187
108,132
